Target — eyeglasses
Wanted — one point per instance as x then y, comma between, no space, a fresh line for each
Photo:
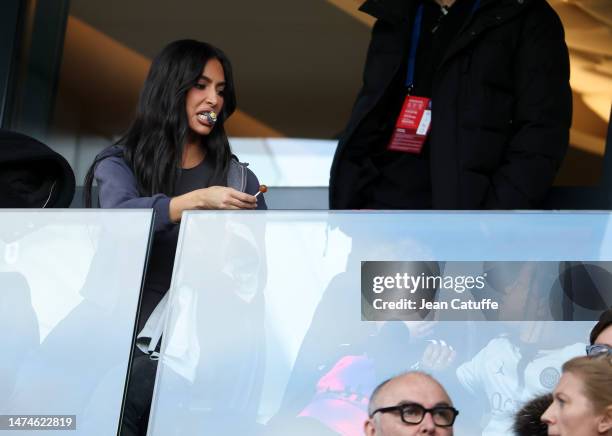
598,349
413,413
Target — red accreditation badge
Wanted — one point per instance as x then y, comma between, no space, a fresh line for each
412,126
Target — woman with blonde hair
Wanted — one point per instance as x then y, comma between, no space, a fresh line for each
582,401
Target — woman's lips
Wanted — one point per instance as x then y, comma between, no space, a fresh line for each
203,120
208,118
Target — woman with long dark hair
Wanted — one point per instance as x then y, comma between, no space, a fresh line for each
175,156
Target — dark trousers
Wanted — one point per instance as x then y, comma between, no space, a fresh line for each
137,405
139,394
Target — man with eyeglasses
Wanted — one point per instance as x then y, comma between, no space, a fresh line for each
601,336
413,403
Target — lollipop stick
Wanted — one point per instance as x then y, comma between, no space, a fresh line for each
262,188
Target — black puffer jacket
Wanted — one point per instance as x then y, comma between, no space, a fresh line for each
501,106
32,175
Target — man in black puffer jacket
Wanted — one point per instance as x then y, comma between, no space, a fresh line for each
32,175
497,74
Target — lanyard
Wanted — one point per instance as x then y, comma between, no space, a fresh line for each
414,43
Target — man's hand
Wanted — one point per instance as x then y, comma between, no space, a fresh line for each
437,356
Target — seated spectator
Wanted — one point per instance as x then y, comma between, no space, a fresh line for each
32,175
601,335
527,421
409,404
582,401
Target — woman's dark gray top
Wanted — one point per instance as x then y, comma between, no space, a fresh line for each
117,188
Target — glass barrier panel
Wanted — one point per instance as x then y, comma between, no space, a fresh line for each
266,331
69,288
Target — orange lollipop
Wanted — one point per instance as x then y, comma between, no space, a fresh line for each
262,189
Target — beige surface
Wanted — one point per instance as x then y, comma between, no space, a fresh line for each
101,79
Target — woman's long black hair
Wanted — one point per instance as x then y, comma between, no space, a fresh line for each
153,144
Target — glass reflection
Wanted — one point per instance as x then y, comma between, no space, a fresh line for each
265,335
69,288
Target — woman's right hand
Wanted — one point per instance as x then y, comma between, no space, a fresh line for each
214,197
